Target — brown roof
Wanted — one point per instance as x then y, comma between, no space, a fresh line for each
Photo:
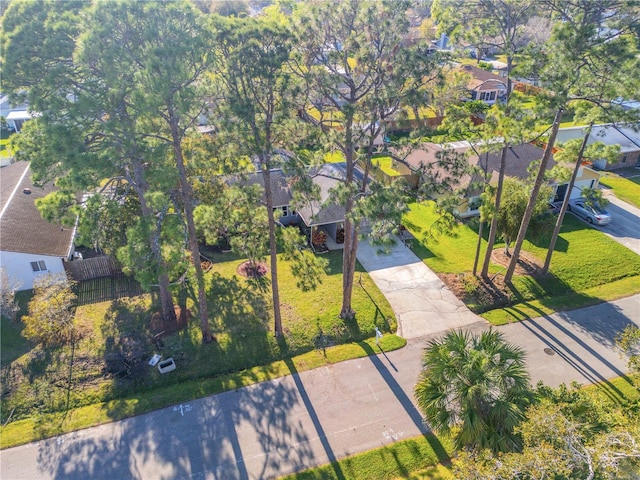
482,79
22,229
517,162
427,158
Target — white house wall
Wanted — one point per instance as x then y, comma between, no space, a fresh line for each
18,267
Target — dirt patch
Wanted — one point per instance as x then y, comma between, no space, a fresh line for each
482,294
252,270
528,264
161,328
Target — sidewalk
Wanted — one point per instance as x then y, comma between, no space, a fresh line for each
422,303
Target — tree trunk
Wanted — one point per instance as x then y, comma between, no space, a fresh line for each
478,245
494,220
524,225
350,229
187,200
565,201
275,291
166,299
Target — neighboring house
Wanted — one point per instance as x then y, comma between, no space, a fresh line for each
29,245
623,135
484,85
17,117
518,160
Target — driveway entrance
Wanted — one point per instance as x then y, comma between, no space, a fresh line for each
422,303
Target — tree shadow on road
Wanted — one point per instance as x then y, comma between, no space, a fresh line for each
214,436
606,322
407,404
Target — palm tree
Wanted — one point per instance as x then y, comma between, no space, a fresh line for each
478,384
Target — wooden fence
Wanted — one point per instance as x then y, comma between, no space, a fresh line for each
90,268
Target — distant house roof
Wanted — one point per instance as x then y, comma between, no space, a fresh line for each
428,157
483,80
22,229
609,134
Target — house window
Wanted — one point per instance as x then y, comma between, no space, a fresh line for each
624,159
39,266
492,96
284,211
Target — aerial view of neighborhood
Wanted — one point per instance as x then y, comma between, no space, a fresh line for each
320,239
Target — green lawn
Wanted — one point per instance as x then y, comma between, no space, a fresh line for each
417,458
626,189
36,388
385,163
4,151
587,266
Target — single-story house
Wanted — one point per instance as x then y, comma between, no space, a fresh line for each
324,214
518,160
623,135
484,85
280,192
29,245
317,215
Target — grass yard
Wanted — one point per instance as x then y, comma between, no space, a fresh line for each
110,377
416,458
626,189
4,150
587,266
385,163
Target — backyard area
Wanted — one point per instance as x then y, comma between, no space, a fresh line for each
587,267
107,376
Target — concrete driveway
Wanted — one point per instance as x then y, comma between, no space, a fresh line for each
625,225
422,303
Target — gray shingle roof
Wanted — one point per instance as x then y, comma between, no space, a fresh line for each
281,194
327,176
22,229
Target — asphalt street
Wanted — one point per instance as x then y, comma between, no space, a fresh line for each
295,422
625,225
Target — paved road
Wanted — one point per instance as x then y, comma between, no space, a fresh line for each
625,226
277,427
